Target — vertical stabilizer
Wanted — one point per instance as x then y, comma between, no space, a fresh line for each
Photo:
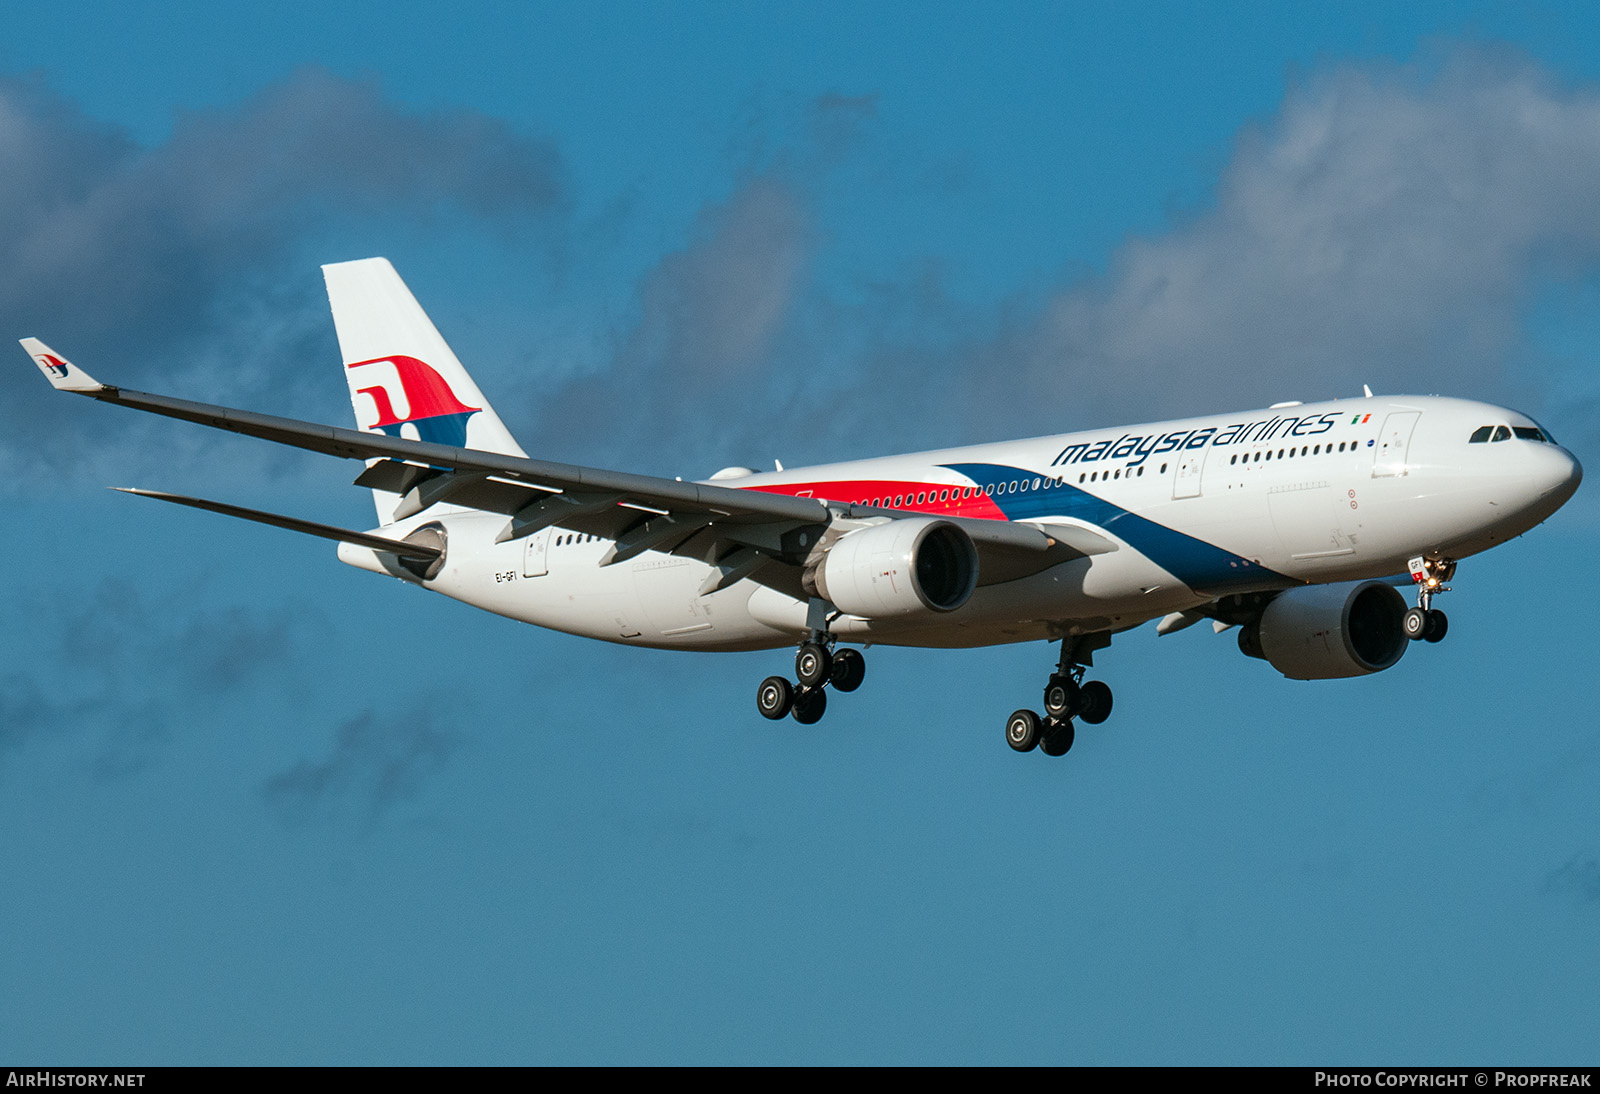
404,379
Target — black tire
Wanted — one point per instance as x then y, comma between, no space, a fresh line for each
1061,697
1094,704
1438,624
809,705
811,664
849,669
1414,624
774,697
1022,730
1057,739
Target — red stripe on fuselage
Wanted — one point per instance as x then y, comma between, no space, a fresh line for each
882,492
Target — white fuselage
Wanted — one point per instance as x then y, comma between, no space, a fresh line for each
1197,509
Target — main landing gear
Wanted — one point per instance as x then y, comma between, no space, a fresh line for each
816,668
1066,696
1426,622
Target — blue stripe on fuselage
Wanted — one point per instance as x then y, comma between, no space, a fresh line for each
1202,566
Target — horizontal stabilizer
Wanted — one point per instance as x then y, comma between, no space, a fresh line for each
311,528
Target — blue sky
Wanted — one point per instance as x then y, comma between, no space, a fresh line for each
259,807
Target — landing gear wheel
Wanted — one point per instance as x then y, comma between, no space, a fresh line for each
1058,739
809,705
849,669
1022,730
774,697
1061,697
1436,626
811,664
1094,702
1414,624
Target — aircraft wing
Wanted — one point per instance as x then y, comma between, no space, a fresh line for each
641,512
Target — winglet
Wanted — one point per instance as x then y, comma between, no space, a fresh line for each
62,373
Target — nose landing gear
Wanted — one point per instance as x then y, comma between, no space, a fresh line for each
1426,622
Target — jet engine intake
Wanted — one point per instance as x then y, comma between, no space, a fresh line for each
902,567
1323,632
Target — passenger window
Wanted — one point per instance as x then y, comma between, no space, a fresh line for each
1501,433
1481,434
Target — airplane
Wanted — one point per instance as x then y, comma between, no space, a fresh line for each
1293,524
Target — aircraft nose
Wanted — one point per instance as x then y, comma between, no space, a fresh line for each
1541,480
1557,475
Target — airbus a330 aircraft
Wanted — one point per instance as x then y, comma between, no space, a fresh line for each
1293,524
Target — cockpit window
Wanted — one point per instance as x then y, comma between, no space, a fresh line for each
1527,433
1480,434
1501,433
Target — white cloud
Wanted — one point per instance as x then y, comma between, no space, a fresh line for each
141,256
1387,226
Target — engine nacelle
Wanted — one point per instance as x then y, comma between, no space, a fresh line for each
1323,632
903,567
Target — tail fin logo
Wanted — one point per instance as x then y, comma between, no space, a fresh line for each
430,406
52,364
